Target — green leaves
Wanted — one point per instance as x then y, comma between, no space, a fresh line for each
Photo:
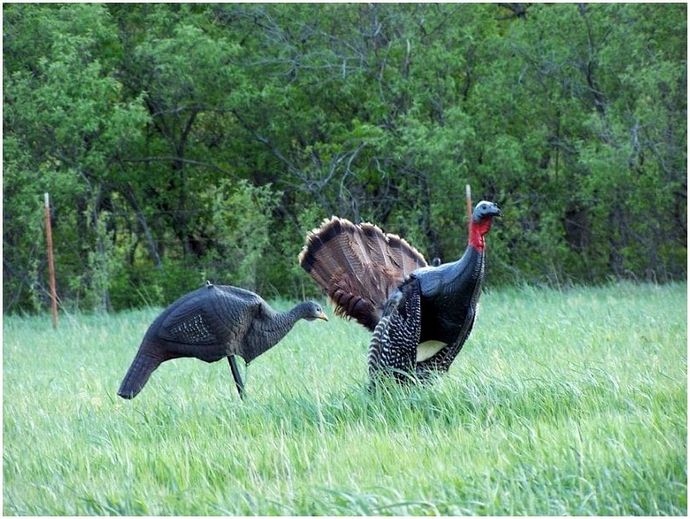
571,117
240,227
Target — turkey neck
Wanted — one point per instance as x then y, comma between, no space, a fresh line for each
271,329
477,232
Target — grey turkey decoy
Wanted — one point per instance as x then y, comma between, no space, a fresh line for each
420,315
211,323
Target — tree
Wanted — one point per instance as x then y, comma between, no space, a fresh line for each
184,141
65,122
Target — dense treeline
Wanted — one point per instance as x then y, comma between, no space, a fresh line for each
186,142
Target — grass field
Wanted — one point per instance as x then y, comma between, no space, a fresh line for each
568,402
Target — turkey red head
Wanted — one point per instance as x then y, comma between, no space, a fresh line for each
482,218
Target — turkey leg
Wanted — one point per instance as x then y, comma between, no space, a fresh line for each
236,375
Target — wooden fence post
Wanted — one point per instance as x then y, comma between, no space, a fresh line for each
468,199
51,263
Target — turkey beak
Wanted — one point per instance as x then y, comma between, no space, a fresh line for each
322,316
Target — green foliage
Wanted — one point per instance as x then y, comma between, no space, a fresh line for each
100,267
146,286
190,130
66,119
561,403
240,223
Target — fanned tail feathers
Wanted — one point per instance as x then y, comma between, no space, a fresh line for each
358,266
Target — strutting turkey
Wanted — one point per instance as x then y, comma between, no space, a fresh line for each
211,323
421,315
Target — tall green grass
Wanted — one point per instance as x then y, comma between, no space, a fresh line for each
567,402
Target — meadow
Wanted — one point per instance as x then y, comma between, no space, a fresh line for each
561,402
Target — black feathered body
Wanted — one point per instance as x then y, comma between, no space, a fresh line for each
216,321
209,324
428,318
449,295
449,306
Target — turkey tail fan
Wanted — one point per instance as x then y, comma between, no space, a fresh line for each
138,373
358,266
405,256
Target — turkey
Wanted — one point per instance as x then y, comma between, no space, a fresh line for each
421,315
211,323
